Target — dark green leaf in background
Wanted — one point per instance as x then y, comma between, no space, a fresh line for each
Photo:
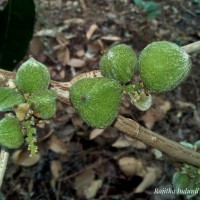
150,8
16,30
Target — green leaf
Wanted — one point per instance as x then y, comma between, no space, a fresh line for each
196,1
9,98
139,3
17,25
152,9
11,135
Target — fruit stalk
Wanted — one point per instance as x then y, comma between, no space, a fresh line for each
171,148
193,47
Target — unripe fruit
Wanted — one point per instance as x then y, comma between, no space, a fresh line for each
32,76
181,181
44,104
9,98
97,100
119,63
11,135
163,66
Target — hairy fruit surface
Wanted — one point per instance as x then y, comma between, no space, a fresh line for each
97,100
44,104
32,76
119,63
163,66
11,135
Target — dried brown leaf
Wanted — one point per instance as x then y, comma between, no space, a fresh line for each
92,189
83,180
36,46
56,168
151,117
131,166
57,145
136,143
149,179
95,133
76,62
125,141
121,142
22,157
157,112
111,38
91,31
80,53
74,21
63,56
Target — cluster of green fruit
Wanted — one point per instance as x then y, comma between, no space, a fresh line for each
162,66
31,97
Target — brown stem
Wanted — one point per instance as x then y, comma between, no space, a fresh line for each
169,147
128,126
193,47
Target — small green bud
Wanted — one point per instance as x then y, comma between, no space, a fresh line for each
143,102
44,103
32,76
9,98
97,100
11,135
119,63
163,66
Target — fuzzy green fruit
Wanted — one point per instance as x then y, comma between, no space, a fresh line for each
181,181
9,98
163,66
119,63
32,76
44,104
11,135
97,100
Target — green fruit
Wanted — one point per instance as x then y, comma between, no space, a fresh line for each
181,181
32,76
163,66
44,104
11,135
97,100
119,63
9,98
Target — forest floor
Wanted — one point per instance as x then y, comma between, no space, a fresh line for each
77,162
